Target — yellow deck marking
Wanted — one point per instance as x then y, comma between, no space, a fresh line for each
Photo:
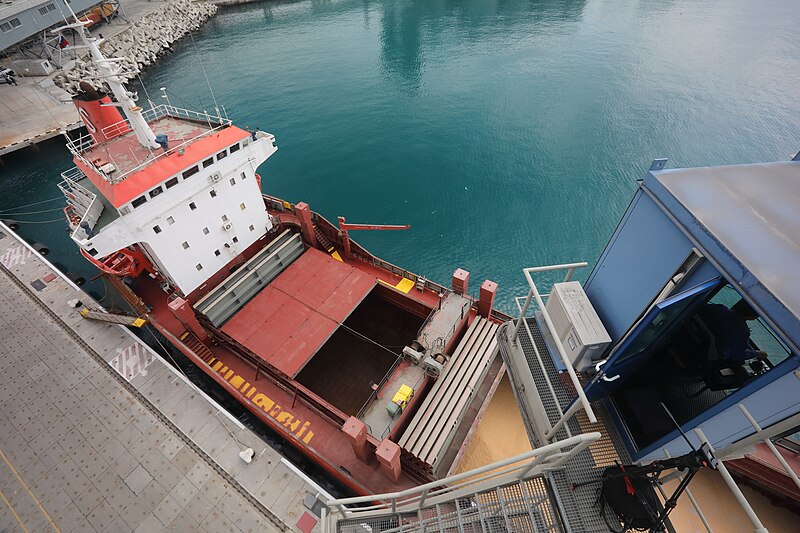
336,256
8,504
28,490
404,285
275,411
185,334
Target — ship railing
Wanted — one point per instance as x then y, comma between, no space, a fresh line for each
80,145
735,451
535,296
519,468
83,206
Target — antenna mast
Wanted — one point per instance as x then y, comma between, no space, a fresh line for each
111,69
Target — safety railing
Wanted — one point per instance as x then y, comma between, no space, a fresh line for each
535,295
78,146
520,467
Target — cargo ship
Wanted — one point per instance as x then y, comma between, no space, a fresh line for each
374,372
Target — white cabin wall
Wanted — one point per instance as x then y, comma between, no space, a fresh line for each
177,262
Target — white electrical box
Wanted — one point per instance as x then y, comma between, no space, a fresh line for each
577,325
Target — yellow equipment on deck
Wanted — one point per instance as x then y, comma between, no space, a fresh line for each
400,400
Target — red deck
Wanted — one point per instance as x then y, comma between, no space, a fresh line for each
290,319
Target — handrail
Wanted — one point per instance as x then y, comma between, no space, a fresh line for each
520,467
79,145
533,294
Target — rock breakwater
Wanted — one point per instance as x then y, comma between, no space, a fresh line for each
141,44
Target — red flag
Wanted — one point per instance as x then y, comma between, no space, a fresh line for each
62,42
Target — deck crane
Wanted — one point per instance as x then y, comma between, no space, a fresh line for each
344,227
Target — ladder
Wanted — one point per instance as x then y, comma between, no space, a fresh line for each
113,318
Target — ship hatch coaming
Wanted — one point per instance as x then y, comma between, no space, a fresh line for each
360,353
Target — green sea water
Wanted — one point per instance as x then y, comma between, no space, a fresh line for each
508,133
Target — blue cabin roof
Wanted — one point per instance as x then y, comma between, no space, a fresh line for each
746,220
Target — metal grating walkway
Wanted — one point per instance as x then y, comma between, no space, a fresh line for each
523,507
578,507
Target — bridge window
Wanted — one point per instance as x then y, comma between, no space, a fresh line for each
208,162
171,182
155,192
222,155
234,148
139,201
191,172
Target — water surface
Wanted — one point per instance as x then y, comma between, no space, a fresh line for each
507,133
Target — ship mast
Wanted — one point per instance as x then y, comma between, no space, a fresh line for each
111,69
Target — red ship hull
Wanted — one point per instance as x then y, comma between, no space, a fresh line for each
260,370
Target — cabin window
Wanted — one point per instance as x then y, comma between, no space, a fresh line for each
185,245
192,206
706,352
222,155
155,192
234,148
213,193
43,10
191,172
242,206
139,201
235,239
10,25
252,227
244,175
217,253
157,229
198,266
208,162
51,7
171,182
205,231
170,221
233,181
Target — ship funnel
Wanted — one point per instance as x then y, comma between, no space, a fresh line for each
97,112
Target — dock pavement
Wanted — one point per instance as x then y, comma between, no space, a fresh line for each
99,434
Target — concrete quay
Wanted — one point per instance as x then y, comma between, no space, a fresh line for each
98,433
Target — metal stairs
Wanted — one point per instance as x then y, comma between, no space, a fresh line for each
196,345
524,506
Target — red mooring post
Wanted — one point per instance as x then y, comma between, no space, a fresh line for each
460,281
306,225
356,432
388,454
488,292
181,309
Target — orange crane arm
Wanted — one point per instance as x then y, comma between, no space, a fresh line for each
344,227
